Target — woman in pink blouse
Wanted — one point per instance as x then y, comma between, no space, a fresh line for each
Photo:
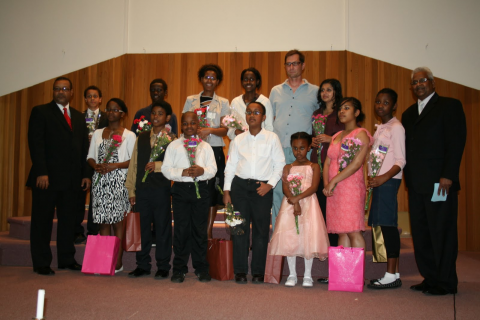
384,207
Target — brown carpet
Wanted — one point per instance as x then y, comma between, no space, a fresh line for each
72,295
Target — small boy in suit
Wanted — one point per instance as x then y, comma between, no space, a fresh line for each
152,197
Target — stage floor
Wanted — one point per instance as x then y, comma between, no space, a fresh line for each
72,295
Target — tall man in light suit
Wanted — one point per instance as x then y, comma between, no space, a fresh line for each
58,143
435,133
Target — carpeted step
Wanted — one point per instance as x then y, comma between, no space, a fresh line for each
15,252
20,229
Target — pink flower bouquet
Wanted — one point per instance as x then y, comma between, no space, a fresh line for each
349,149
319,121
191,147
375,161
295,184
230,121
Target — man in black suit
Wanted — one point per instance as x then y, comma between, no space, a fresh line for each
94,119
435,130
58,143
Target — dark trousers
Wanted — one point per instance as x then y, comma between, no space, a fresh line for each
391,237
92,228
43,211
322,200
190,226
256,209
219,179
154,206
435,240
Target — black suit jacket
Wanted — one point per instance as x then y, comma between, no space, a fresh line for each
434,144
102,122
55,149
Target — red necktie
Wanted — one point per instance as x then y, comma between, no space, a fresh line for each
69,121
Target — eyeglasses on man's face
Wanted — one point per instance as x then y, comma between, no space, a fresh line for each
58,89
295,63
249,112
422,80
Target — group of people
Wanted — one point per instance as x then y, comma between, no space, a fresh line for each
70,150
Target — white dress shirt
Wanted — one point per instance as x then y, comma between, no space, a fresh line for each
68,109
257,157
176,160
239,107
423,103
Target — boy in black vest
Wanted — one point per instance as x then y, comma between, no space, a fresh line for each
152,197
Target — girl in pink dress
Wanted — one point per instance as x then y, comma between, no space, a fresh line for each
345,191
311,241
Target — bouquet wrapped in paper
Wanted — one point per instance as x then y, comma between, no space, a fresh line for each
295,184
233,219
318,122
202,117
231,122
113,144
161,143
348,150
191,147
375,161
142,124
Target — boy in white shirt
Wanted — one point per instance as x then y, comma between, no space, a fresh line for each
254,167
190,213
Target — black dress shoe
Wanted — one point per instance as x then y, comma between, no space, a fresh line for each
80,238
161,274
257,278
241,278
420,287
204,277
439,291
44,271
73,266
138,272
178,277
323,280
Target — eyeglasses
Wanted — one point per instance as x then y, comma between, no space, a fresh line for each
249,112
113,110
296,63
210,78
64,89
90,96
423,80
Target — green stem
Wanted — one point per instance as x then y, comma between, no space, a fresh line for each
196,189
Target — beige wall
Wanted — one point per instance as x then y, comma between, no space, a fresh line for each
43,39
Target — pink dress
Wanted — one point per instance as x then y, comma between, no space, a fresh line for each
312,241
345,209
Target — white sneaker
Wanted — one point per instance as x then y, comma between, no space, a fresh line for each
119,270
307,282
291,281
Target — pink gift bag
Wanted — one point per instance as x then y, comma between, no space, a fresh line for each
101,253
346,268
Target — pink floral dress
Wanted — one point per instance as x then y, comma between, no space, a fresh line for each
345,209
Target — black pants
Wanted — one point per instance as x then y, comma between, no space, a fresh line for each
391,237
219,178
256,209
435,239
190,226
154,206
92,228
43,211
322,200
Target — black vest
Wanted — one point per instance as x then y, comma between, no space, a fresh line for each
154,179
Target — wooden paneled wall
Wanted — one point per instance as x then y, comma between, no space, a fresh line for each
128,77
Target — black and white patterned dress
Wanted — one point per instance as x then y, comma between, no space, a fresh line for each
110,196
